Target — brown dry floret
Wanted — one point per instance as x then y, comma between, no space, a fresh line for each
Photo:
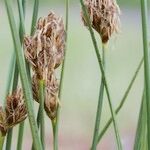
45,50
51,94
3,127
15,109
104,17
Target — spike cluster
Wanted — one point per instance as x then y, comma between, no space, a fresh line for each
14,112
45,52
104,17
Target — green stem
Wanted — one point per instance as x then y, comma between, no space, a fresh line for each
21,8
24,77
10,77
34,16
41,110
118,139
2,138
122,100
20,136
146,50
55,131
10,131
141,128
38,122
55,140
99,109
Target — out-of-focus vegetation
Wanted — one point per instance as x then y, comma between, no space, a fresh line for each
121,2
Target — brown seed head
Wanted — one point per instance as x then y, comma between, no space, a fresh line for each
45,50
16,110
104,17
51,97
3,128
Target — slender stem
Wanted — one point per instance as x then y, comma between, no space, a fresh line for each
10,131
21,8
119,145
38,118
2,138
141,128
21,17
10,77
34,16
8,89
55,131
20,136
122,100
55,140
41,110
99,109
24,78
38,122
146,50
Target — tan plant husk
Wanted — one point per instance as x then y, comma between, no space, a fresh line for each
45,52
3,125
16,111
104,17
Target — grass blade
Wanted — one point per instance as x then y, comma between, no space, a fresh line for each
99,109
24,78
122,100
119,145
144,15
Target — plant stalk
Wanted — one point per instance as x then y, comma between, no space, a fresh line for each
24,77
118,139
144,16
99,108
142,127
34,16
55,124
122,100
41,109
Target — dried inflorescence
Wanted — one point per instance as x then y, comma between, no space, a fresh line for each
104,17
51,99
3,127
15,111
51,94
45,52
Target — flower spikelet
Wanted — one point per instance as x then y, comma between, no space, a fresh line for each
104,17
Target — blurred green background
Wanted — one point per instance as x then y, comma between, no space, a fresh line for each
82,76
